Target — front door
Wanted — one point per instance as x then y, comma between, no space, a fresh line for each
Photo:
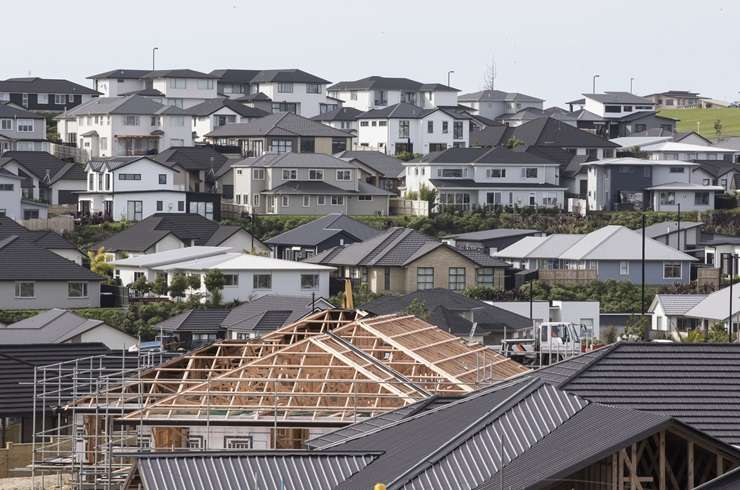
108,209
85,208
583,188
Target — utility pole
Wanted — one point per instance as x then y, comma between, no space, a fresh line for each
678,226
731,266
642,308
154,52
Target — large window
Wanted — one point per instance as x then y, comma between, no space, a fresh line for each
309,281
308,145
668,198
25,125
231,280
7,187
496,173
258,174
262,281
313,88
134,210
316,174
387,278
281,146
25,289
205,84
456,278
671,270
131,121
452,172
162,178
290,174
677,170
178,83
285,107
430,127
344,174
403,129
424,278
484,277
129,176
285,87
77,289
338,145
624,268
6,124
240,442
529,173
613,108
457,130
701,198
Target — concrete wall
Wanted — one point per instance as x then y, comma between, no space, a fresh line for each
48,294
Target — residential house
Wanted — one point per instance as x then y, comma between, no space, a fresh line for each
125,126
615,114
408,128
384,171
344,118
668,312
717,249
181,88
494,103
306,184
721,173
268,313
490,241
32,277
214,113
684,236
169,231
675,99
58,326
192,329
280,133
586,314
401,260
133,188
46,178
44,94
719,307
635,183
377,92
487,177
465,317
21,129
661,134
200,163
612,252
246,276
308,239
288,90
11,200
665,149
257,101
48,240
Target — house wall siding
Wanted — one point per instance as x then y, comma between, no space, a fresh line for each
49,294
653,272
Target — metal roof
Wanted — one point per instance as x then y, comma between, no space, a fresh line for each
388,166
716,306
22,259
278,124
35,85
319,230
619,98
248,316
676,304
492,234
666,227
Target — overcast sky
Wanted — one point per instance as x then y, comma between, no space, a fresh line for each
549,49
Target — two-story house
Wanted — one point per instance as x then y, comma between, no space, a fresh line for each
635,183
492,104
21,129
487,177
409,128
676,99
214,113
305,184
44,94
344,118
280,133
377,92
45,178
125,126
288,90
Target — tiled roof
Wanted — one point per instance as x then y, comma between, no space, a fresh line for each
278,124
21,259
319,230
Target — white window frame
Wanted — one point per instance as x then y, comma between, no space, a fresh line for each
306,201
290,174
285,201
256,200
254,282
680,268
234,281
344,172
624,268
25,124
19,285
83,289
6,124
316,279
312,173
42,98
60,99
258,174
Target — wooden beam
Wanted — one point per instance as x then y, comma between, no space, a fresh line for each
661,461
690,465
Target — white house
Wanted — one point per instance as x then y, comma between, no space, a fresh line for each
668,311
494,103
487,177
246,276
584,313
409,128
378,92
616,104
10,195
662,148
125,126
716,249
214,113
342,118
47,179
132,188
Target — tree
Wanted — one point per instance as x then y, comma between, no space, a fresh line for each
194,281
637,328
428,195
513,143
159,286
178,285
98,264
718,128
489,76
140,285
418,309
214,282
717,333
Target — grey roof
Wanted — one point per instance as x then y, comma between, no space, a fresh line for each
192,157
42,238
493,234
472,184
636,116
177,73
716,305
662,229
316,187
8,109
259,314
388,83
8,174
728,481
484,155
401,110
717,168
386,165
619,98
497,96
676,304
526,114
207,320
718,239
146,92
339,114
549,131
130,104
53,326
293,75
42,164
296,160
278,469
21,259
184,226
124,74
687,381
229,75
35,85
209,106
319,230
279,124
259,96
114,163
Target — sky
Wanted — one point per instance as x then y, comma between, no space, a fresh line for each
545,48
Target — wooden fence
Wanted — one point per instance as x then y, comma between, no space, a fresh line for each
59,224
12,456
408,207
567,277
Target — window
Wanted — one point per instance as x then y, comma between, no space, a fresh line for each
70,98
25,289
353,95
103,143
134,210
285,87
639,128
676,170
445,127
668,198
238,198
262,281
364,198
313,88
178,121
387,278
337,200
344,174
457,130
205,84
256,200
42,99
484,277
701,198
364,124
24,100
6,187
237,442
624,268
162,178
308,145
316,174
424,278
671,270
285,107
382,124
195,442
309,281
285,201
178,83
281,146
231,280
60,99
30,214
160,205
430,127
496,173
529,173
627,108
290,174
456,278
6,124
403,129
258,174
451,172
321,200
613,108
90,181
77,289
131,121
129,176
493,198
24,125
181,206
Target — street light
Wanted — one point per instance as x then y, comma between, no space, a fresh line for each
154,51
593,83
631,80
448,76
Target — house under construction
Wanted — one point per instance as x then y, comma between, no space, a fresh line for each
328,370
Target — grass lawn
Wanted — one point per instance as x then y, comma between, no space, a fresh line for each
688,119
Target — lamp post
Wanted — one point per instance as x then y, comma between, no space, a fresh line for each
631,80
448,76
154,52
593,83
731,266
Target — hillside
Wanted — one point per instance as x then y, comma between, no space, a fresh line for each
688,119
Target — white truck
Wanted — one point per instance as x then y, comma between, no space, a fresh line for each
552,342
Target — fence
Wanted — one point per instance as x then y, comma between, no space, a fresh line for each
13,456
567,277
708,276
408,207
232,211
59,224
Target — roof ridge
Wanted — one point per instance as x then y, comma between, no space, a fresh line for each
616,229
393,242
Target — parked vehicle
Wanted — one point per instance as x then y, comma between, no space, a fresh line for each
552,342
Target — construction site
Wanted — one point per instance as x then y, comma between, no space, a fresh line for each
329,370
